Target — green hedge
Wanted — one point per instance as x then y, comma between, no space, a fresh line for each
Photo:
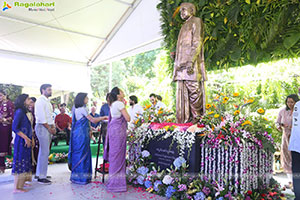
239,32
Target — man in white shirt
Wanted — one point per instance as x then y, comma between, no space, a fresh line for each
44,128
294,147
134,108
155,103
160,104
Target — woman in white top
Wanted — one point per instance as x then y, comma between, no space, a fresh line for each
80,158
115,148
294,147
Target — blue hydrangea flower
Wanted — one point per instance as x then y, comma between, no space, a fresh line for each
142,170
140,180
148,184
199,196
178,162
145,154
169,192
156,184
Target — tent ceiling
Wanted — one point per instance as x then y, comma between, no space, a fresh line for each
75,35
80,31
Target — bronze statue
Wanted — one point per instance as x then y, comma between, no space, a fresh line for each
189,69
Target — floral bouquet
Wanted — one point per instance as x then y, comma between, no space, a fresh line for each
151,114
8,163
58,158
231,120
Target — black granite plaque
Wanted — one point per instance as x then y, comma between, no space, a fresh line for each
164,156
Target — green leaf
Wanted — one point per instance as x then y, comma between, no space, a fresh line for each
291,40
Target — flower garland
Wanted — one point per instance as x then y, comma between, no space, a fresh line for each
175,183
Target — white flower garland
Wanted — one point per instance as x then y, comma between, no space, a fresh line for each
215,164
202,159
185,140
222,164
242,168
236,175
219,167
230,168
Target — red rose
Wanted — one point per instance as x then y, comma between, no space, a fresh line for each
200,125
263,195
249,192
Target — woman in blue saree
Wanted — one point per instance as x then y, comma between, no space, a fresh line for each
22,126
80,159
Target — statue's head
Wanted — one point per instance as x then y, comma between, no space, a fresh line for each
187,10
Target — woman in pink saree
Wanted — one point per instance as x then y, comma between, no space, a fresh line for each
115,143
284,124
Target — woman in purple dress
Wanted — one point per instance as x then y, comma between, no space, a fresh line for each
6,115
115,148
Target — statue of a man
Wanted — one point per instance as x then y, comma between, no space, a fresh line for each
189,69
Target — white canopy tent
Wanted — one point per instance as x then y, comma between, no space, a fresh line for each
60,46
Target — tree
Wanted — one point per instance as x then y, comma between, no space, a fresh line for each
13,91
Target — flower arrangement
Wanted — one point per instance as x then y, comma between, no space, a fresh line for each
8,163
176,183
151,114
236,153
233,120
58,158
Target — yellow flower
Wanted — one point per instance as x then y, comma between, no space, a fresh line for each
237,112
191,191
208,106
208,198
150,189
147,106
50,157
249,101
261,111
217,97
216,115
160,112
212,112
265,119
236,94
247,123
137,121
225,99
166,128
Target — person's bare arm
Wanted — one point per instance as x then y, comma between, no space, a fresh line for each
125,114
95,120
28,141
